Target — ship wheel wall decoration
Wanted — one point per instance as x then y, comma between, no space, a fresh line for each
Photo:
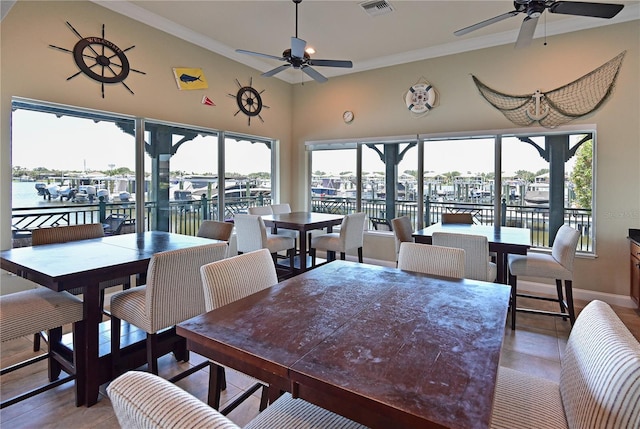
249,101
100,60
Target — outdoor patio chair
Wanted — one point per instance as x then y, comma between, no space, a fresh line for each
113,223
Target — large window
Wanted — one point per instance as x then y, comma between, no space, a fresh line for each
73,165
538,181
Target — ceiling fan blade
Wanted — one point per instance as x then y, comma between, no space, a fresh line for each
258,54
314,74
275,71
482,24
297,47
596,10
527,29
330,63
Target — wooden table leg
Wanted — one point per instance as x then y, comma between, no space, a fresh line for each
92,317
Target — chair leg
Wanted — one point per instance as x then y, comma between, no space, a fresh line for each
569,292
312,253
115,347
360,259
152,346
216,376
36,342
292,254
79,360
55,336
560,297
264,398
512,281
343,256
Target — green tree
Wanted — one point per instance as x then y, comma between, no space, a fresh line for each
582,175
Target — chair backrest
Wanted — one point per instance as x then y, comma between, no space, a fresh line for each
113,223
402,231
466,218
215,229
280,208
352,230
142,400
600,375
430,259
63,234
234,278
174,286
476,251
564,246
380,224
259,210
251,233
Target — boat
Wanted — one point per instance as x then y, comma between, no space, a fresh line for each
537,194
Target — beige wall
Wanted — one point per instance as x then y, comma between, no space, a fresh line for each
311,112
376,98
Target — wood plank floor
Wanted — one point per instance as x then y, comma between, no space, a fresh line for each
535,347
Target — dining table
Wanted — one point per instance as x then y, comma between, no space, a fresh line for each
384,347
302,222
503,240
85,264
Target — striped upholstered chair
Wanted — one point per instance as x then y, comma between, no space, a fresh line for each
402,232
173,294
31,312
478,265
143,400
430,259
599,381
227,281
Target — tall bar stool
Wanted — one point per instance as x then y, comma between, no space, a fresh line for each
558,266
33,311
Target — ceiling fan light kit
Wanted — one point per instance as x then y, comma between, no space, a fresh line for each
297,58
533,9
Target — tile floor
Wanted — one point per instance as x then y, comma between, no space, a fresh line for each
535,347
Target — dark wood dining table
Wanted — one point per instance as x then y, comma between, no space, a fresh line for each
503,240
384,347
302,222
87,263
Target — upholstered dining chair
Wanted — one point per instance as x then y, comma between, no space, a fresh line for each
216,230
36,310
478,265
351,236
430,259
466,218
558,266
252,235
260,210
142,400
173,293
227,281
402,232
284,208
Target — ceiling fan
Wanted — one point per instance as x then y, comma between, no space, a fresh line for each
534,8
297,58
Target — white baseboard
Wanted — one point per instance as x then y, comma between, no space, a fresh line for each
578,294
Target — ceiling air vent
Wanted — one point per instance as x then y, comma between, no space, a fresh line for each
377,7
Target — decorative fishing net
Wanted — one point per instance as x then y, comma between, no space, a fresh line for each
560,105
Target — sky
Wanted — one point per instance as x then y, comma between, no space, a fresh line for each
66,143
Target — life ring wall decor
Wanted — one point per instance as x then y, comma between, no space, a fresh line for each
420,98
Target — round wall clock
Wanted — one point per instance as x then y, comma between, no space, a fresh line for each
347,116
100,59
249,101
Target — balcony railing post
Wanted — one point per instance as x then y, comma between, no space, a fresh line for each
427,212
205,207
503,213
102,209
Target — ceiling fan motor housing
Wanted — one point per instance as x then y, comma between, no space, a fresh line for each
535,9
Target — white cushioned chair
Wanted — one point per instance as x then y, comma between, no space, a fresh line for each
284,208
558,265
478,265
143,400
260,210
31,312
430,259
402,232
599,381
252,235
227,281
351,236
173,294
